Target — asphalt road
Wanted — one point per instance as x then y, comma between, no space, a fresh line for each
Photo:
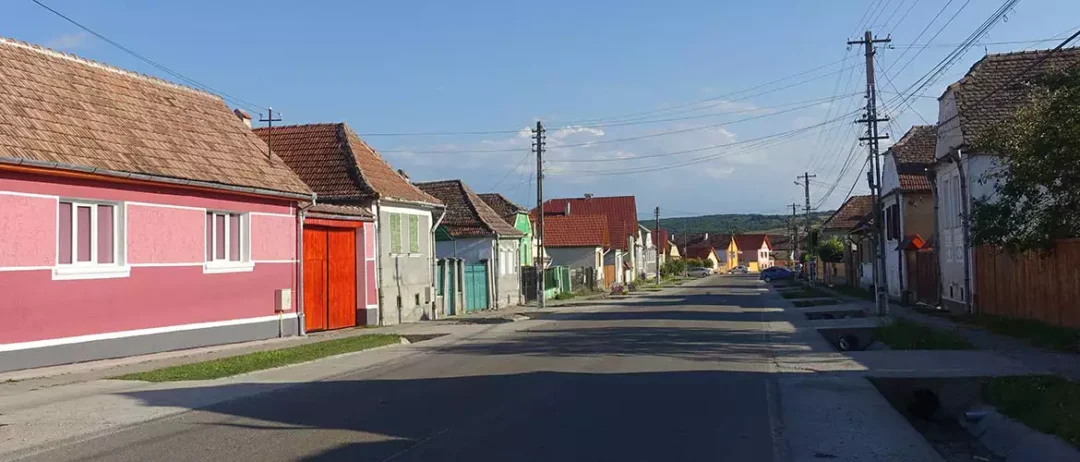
680,375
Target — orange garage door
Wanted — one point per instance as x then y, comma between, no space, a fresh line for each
329,278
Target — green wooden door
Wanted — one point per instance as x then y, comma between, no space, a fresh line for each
451,291
476,290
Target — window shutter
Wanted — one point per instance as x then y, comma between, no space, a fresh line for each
395,233
414,234
65,233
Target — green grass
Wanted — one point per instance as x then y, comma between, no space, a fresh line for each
225,367
1031,331
1049,404
806,303
565,295
856,292
808,292
901,334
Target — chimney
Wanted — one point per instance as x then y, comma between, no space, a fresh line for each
706,236
588,195
245,117
403,174
567,213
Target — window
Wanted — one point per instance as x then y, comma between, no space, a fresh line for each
414,234
89,241
227,240
395,233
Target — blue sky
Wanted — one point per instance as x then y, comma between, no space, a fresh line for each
498,66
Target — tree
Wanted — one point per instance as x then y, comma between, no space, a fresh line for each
706,263
1036,198
673,267
693,263
831,250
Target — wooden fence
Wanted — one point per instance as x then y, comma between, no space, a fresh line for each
1030,286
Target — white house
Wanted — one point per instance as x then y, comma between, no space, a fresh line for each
578,242
990,92
907,206
755,251
621,215
645,253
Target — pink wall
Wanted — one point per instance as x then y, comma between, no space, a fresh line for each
165,235
27,231
273,237
37,308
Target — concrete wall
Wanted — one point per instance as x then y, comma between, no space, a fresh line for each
160,282
506,270
576,257
406,277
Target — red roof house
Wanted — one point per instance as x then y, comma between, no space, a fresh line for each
620,213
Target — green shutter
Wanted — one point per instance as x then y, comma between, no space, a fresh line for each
395,233
414,234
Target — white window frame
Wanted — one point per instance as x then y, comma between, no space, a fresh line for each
218,266
92,269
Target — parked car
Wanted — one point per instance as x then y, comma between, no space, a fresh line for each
698,272
739,270
776,273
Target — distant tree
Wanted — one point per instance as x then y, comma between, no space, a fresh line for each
1036,198
706,263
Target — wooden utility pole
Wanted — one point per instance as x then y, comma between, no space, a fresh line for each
538,260
872,139
811,263
269,133
658,245
794,233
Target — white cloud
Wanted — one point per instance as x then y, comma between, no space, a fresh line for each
69,42
565,132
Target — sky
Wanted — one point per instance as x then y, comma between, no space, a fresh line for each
696,107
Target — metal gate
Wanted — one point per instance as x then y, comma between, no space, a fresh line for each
476,287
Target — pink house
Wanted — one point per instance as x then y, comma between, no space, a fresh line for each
136,216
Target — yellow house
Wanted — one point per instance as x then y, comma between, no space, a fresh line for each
704,252
730,257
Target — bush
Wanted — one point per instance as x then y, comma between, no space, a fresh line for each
564,295
706,263
832,250
673,268
694,263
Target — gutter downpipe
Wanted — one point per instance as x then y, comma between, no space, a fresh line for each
380,273
965,228
434,261
301,212
937,235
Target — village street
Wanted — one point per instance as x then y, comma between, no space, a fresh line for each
712,370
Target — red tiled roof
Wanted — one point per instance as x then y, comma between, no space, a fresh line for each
620,211
993,89
719,241
576,231
660,240
467,215
780,242
699,251
751,241
58,108
849,215
338,165
503,206
912,155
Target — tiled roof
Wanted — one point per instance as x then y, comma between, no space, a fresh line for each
62,109
849,215
699,251
620,211
467,215
980,107
338,165
751,241
502,206
661,240
912,155
781,242
720,241
576,231
336,211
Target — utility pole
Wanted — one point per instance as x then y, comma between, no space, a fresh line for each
794,232
872,138
657,246
806,176
269,133
538,144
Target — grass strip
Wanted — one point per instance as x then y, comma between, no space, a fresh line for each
808,292
806,303
1050,404
901,334
233,365
855,292
1031,331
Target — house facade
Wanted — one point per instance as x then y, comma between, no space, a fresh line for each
907,207
754,251
849,224
620,264
965,114
345,171
579,243
704,252
181,232
727,251
489,247
645,253
515,216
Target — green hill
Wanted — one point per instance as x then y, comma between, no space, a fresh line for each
737,223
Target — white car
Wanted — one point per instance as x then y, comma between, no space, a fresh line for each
698,272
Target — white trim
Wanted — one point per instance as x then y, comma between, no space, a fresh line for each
274,261
167,206
217,267
69,273
24,268
38,196
140,332
164,265
269,214
405,210
372,307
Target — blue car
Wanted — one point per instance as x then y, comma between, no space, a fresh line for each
776,273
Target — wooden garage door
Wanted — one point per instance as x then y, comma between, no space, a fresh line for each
329,278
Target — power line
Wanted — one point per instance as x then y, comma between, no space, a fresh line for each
512,170
201,86
902,18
